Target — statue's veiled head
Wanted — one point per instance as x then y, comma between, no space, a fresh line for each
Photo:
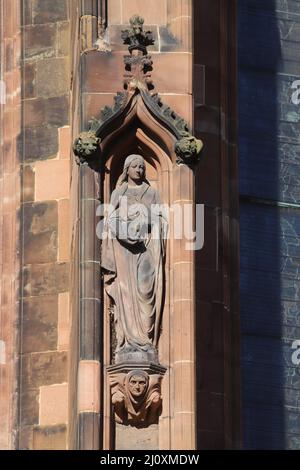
137,384
134,169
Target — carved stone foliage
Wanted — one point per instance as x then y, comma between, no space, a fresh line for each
136,397
188,148
138,72
85,146
137,82
135,37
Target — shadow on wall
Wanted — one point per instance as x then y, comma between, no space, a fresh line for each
268,272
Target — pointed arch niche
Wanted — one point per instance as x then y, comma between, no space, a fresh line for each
139,123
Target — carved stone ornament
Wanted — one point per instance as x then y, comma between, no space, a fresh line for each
135,37
136,395
133,247
137,84
85,146
188,148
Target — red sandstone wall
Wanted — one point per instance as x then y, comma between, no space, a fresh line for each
45,166
10,114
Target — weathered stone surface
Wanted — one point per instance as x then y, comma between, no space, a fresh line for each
88,28
25,363
175,82
90,317
177,8
28,182
63,38
40,316
38,143
43,279
26,12
151,12
52,180
40,230
63,340
29,407
26,438
180,28
50,111
53,404
64,142
50,437
115,11
91,276
28,80
168,43
89,387
128,437
88,431
108,69
9,55
91,243
49,11
49,368
40,41
52,78
92,105
64,230
44,368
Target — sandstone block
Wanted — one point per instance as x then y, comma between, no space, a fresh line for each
50,437
40,41
29,407
45,279
38,143
48,368
52,78
49,11
63,38
53,404
154,11
40,232
52,180
40,316
46,112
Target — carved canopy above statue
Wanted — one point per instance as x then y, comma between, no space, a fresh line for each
140,104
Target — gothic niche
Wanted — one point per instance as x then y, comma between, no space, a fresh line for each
139,133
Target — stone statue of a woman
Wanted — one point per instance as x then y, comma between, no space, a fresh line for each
132,259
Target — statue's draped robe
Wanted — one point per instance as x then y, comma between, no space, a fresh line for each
132,259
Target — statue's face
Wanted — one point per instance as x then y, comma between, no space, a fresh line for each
137,385
136,171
